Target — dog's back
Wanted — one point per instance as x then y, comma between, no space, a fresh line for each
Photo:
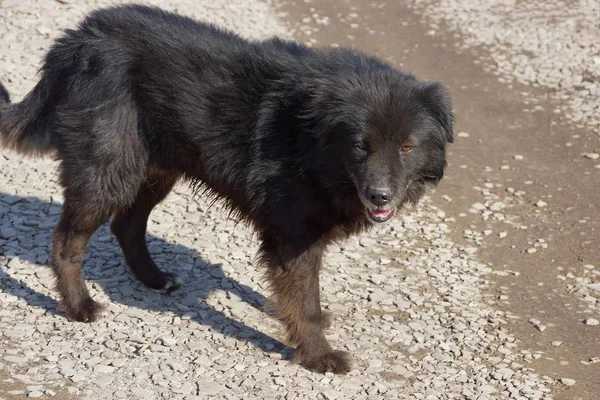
117,95
117,56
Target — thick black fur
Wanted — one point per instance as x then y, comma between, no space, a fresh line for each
309,146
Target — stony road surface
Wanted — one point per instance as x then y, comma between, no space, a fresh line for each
488,290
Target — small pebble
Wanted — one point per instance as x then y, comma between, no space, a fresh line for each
594,286
471,250
567,381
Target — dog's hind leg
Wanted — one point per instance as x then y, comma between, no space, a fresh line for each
129,226
78,221
104,163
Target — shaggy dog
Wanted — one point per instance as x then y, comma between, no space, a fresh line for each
308,146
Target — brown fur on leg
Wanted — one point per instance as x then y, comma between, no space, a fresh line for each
77,224
270,308
294,278
326,319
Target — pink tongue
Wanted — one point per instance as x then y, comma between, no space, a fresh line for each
381,213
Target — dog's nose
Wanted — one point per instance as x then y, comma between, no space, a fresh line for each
379,196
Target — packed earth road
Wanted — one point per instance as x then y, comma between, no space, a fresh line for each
489,289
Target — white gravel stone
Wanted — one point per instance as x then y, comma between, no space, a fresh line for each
210,389
15,359
332,394
568,381
367,242
471,250
594,286
591,321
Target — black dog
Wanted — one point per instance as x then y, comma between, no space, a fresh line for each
309,146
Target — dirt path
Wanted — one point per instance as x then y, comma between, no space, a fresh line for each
518,152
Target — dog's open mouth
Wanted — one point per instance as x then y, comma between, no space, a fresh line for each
377,215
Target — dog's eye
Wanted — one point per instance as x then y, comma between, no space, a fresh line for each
407,149
361,145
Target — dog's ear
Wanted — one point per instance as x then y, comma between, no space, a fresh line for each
436,99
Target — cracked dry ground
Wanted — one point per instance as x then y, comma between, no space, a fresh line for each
434,305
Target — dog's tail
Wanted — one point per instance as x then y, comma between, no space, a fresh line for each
23,126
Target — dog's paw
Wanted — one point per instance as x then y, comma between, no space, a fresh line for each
338,362
167,283
86,310
326,319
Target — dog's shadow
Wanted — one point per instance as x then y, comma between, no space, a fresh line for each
201,280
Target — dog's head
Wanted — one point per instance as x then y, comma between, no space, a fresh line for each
392,132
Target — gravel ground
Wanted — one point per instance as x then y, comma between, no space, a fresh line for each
408,302
543,43
548,44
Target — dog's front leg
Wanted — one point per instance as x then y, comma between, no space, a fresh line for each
294,277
